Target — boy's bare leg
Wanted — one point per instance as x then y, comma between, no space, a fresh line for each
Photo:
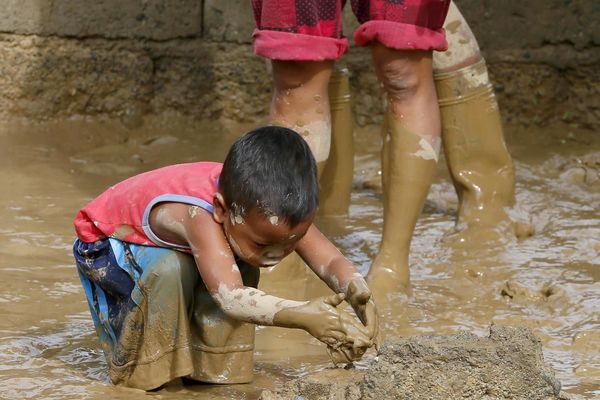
479,163
411,140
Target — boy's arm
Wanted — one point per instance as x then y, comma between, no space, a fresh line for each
219,271
340,275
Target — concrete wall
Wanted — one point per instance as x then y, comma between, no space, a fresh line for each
544,57
120,58
111,19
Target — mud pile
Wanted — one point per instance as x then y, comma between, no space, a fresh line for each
508,364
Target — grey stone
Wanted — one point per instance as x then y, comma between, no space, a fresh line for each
148,19
228,21
532,24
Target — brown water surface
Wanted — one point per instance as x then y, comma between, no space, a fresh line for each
549,282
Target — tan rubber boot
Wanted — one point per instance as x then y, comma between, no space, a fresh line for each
409,162
479,163
336,178
478,160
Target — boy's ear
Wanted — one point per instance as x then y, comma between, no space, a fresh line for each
219,208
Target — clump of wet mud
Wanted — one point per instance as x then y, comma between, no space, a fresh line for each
508,364
584,170
547,293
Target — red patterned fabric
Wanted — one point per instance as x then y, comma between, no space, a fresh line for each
306,30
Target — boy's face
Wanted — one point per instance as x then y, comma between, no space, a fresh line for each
260,240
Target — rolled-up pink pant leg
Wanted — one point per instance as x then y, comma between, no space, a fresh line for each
311,30
402,24
297,47
301,30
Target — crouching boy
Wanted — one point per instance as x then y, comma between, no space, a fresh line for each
169,260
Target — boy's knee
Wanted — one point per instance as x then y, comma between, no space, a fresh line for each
166,270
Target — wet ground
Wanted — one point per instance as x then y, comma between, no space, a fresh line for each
549,282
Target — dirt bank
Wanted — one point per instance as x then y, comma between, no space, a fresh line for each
508,364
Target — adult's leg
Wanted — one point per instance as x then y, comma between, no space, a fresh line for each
301,39
479,163
411,140
402,36
301,102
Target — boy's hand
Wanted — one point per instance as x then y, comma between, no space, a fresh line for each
334,269
359,297
323,320
356,344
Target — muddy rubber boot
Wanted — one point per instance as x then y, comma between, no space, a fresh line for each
336,177
408,165
480,165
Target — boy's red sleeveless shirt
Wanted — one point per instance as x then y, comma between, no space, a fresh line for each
123,210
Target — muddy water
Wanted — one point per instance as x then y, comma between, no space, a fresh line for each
550,281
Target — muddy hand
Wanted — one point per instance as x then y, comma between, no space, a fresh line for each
356,343
359,297
345,354
356,333
323,320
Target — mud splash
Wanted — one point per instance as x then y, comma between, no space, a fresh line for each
549,282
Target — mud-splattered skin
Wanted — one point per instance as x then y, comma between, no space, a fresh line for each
300,102
262,239
261,242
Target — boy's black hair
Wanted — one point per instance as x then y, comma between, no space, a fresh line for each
271,168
